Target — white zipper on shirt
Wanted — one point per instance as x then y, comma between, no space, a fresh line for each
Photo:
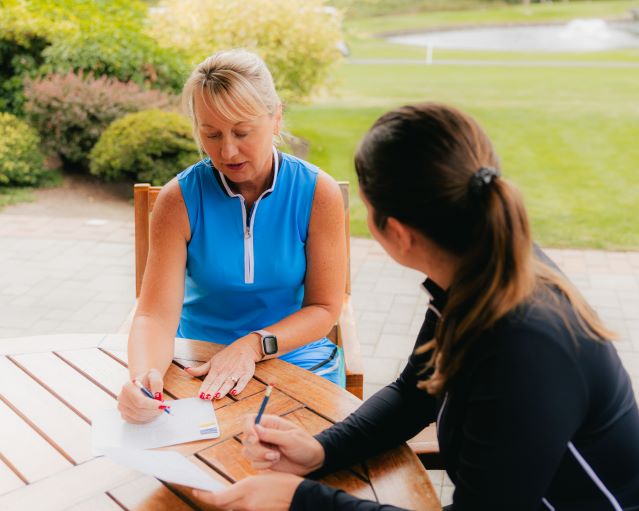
249,255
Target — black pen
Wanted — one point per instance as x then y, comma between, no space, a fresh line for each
267,394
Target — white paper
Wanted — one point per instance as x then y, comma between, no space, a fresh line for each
190,419
168,466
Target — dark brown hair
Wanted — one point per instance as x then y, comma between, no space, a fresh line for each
419,164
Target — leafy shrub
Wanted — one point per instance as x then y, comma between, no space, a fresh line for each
72,111
39,37
21,162
296,38
149,146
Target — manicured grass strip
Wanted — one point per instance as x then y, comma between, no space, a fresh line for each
566,138
489,14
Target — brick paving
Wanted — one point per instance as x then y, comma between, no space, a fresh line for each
71,274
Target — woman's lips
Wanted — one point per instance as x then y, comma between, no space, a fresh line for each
235,166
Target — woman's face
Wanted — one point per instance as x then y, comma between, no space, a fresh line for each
388,243
240,150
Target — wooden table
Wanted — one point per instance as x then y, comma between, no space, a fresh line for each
50,387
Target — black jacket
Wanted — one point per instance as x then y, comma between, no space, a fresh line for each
537,419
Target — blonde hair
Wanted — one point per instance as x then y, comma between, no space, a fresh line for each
237,84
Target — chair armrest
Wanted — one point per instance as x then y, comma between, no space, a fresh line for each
347,339
425,445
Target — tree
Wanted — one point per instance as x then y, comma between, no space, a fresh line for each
296,38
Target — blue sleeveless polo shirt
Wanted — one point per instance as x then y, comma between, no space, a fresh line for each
245,271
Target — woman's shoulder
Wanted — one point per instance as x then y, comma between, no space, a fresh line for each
195,170
547,323
326,188
298,164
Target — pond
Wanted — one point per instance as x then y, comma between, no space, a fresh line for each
574,36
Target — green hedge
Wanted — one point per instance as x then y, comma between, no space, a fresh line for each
71,111
149,146
39,37
21,162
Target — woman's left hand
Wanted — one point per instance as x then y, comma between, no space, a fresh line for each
268,492
230,370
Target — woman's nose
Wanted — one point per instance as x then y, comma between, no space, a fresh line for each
229,150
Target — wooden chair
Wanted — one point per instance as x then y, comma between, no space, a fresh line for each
343,333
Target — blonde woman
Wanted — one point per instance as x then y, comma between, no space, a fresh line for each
247,246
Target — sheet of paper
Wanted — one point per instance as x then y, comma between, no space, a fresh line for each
191,419
168,466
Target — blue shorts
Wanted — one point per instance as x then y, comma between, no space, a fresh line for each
321,357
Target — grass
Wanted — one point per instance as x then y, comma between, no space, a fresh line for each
490,14
13,195
567,138
16,194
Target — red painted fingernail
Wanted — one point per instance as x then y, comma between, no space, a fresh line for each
234,392
158,396
217,395
202,396
208,396
164,407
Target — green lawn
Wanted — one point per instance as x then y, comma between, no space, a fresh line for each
489,14
13,195
567,137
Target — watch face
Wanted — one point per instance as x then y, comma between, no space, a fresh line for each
269,342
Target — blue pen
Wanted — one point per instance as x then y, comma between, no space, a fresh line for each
267,394
147,393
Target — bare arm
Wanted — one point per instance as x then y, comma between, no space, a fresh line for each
325,271
157,316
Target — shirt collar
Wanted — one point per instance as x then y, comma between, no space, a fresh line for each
436,293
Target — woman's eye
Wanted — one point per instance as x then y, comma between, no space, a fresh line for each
241,135
214,135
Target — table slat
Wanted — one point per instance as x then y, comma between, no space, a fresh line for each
46,343
226,457
26,450
98,366
101,502
147,494
69,487
400,468
54,419
346,481
231,418
8,479
73,387
326,398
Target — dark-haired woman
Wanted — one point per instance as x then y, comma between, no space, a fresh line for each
533,407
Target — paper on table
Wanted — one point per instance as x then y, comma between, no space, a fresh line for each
168,466
191,419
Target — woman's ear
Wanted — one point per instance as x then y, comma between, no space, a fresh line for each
278,120
400,234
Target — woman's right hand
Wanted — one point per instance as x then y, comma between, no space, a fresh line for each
281,445
137,408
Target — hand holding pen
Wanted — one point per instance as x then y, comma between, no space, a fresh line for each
147,393
137,406
274,443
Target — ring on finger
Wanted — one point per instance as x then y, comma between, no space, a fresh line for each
234,379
